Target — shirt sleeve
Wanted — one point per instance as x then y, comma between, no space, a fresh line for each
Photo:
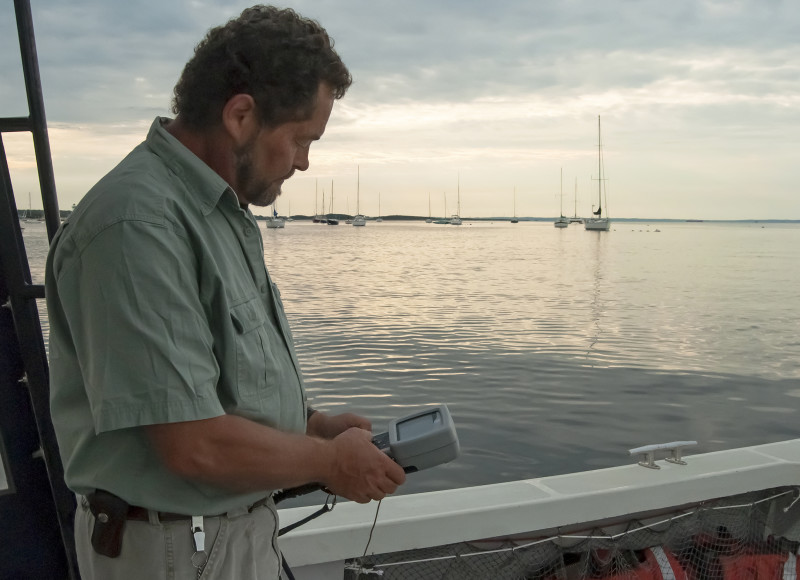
141,334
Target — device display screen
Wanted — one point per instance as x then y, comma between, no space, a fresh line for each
418,425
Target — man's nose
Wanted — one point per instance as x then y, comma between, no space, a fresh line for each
301,159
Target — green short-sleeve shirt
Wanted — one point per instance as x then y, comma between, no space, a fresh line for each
161,310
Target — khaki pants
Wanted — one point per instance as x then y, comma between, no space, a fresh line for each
239,546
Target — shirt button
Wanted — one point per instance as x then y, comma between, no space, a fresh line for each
248,230
263,288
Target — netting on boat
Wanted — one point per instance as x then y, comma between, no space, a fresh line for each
748,537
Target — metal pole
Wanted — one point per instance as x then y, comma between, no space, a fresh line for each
41,142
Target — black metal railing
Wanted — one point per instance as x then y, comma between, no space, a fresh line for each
36,507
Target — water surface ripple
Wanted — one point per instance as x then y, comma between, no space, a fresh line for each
556,350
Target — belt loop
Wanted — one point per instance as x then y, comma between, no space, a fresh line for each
152,517
236,512
248,509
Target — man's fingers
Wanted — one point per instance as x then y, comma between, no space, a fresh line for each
396,474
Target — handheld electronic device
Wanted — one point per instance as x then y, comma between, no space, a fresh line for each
417,441
420,440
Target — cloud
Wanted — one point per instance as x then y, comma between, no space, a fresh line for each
703,95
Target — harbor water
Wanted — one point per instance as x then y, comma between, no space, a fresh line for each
556,350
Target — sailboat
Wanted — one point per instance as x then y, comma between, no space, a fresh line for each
358,219
319,218
27,215
430,219
514,219
575,219
275,221
24,217
443,220
329,220
599,223
455,219
562,221
379,208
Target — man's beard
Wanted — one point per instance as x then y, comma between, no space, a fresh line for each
258,193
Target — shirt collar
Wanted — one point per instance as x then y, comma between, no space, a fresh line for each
203,181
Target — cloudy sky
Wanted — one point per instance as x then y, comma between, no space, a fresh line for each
699,101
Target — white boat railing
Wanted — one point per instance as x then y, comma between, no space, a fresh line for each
320,548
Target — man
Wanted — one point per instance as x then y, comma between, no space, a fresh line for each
177,397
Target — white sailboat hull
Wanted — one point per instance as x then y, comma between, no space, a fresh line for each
359,220
597,224
274,223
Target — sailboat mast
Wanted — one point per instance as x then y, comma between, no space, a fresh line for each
599,170
458,206
358,191
576,197
561,207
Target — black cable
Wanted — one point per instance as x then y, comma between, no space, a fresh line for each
286,569
292,492
372,529
324,509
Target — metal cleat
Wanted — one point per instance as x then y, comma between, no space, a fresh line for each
648,453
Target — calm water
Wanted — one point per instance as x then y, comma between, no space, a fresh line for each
556,350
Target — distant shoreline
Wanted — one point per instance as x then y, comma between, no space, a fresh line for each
36,214
545,219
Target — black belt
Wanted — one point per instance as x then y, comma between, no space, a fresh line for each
111,512
139,513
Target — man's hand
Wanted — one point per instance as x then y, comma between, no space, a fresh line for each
360,471
329,426
235,453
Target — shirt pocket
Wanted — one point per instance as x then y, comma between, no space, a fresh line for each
253,355
281,314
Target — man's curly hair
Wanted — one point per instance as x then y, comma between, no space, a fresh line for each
275,55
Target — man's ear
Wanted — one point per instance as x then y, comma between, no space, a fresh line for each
240,118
